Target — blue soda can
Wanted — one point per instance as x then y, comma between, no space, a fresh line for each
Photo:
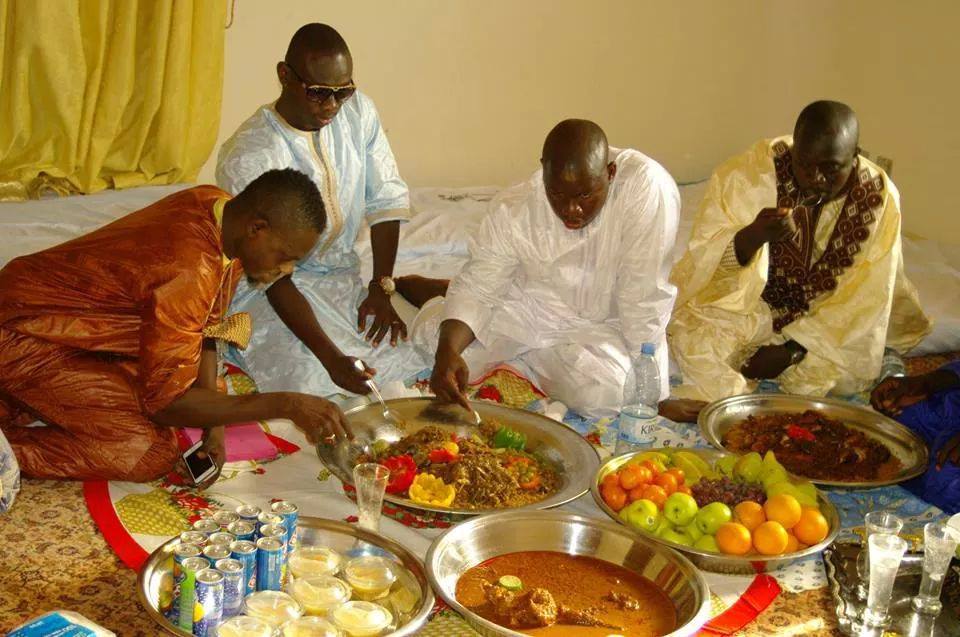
206,526
234,586
290,513
208,608
266,519
243,529
193,537
214,552
245,552
225,518
248,512
221,537
269,564
185,589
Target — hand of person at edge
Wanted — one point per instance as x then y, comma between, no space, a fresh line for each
768,362
344,373
318,418
385,318
949,452
449,379
774,224
893,395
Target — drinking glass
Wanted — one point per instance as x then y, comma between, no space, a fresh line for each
939,544
874,522
886,553
370,480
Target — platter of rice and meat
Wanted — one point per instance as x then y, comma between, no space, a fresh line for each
441,460
830,442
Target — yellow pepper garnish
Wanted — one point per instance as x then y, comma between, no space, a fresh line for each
452,447
431,490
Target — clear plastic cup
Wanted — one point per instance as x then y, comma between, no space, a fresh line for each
310,561
310,627
370,479
939,545
319,594
246,627
362,619
370,577
274,607
886,553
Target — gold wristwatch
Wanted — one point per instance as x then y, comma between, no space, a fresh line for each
387,284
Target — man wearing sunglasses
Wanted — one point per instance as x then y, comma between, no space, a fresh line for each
794,270
312,326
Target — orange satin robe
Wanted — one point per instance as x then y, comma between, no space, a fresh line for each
101,332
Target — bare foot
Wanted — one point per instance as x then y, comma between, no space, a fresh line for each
419,289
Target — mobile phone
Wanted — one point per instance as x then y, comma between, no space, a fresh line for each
200,468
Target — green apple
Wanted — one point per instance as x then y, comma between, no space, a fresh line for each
680,508
663,525
671,535
707,543
710,517
748,467
693,531
726,465
641,514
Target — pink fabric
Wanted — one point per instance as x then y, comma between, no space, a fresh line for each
245,441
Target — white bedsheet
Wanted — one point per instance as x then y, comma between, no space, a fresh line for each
434,243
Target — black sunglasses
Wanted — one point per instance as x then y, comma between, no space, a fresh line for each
321,93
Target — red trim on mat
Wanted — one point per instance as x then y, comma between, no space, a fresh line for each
283,446
758,596
97,495
512,372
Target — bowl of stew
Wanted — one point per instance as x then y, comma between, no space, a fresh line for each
555,574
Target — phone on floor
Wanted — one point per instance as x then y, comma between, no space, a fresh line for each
200,468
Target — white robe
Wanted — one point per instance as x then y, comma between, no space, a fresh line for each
570,307
352,164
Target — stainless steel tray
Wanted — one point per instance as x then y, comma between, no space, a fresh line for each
907,446
155,581
567,449
841,564
718,562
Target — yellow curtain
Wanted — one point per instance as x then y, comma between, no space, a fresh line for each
99,94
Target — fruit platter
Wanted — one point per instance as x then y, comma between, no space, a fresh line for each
727,513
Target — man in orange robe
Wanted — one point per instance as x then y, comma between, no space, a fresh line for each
110,339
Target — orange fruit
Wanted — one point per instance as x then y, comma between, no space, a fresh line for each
614,496
644,473
610,478
629,476
636,493
685,489
770,538
812,527
668,481
655,494
792,544
651,467
733,538
783,508
750,514
677,473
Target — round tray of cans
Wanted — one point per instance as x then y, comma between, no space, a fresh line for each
253,573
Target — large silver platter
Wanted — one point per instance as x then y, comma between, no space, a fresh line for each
576,458
905,445
482,538
156,577
718,562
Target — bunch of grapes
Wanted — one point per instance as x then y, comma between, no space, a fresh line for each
730,492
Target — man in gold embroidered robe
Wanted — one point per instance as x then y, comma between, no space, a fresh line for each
794,270
108,338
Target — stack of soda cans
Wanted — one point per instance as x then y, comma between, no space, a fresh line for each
226,557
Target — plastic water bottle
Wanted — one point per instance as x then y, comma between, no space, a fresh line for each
892,365
639,416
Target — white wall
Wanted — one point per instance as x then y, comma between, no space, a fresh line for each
468,88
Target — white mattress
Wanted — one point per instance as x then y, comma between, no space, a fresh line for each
434,243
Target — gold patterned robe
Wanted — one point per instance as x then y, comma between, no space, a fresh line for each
837,288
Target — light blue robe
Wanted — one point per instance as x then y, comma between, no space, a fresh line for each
352,164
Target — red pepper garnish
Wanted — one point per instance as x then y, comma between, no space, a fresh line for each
799,433
441,455
402,471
